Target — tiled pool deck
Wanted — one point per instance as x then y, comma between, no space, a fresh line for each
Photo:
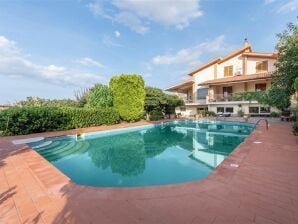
263,189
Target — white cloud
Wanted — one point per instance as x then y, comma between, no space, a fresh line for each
288,7
13,63
267,2
106,40
191,55
90,62
136,14
117,33
132,21
178,13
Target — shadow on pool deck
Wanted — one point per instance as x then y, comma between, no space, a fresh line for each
263,189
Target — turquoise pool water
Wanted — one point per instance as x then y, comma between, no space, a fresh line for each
167,153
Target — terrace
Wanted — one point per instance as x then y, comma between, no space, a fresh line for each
261,187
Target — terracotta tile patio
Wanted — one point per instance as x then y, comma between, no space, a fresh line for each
263,189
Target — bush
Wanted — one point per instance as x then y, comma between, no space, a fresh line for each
274,114
155,115
295,128
26,120
206,113
211,113
240,113
128,96
99,96
88,117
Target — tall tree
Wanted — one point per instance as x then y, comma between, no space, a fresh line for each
286,68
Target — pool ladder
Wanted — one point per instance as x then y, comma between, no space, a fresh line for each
263,119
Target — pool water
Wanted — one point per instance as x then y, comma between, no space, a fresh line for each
166,153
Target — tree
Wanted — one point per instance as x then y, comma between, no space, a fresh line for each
286,68
128,96
99,96
172,101
154,100
158,101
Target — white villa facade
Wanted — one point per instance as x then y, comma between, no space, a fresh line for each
213,85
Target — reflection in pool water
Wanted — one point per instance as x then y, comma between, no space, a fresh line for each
167,153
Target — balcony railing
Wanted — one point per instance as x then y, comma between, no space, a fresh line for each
227,97
188,101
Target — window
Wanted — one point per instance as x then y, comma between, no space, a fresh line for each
261,66
227,91
202,93
202,109
229,110
182,109
228,70
253,110
260,87
220,109
264,109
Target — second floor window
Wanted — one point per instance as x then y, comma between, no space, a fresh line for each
262,66
202,93
228,70
261,87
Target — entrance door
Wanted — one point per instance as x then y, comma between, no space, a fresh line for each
227,91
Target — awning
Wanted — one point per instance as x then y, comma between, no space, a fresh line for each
181,87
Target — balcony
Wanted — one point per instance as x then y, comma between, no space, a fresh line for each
190,102
230,97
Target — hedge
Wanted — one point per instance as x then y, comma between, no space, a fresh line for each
26,120
128,96
88,117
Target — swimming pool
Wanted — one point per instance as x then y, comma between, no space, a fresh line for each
165,153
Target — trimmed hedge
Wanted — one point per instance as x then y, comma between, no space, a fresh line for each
88,117
26,120
128,96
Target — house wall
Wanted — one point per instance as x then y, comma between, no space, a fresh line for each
244,107
189,111
202,76
251,64
237,63
239,87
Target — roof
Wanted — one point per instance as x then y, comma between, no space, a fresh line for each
204,66
221,60
261,55
180,86
239,78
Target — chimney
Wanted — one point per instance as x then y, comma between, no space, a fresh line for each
246,44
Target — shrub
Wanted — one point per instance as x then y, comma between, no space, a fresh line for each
240,113
295,127
39,102
26,120
87,117
211,113
155,115
274,114
99,96
128,96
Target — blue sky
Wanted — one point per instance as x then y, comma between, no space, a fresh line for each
51,48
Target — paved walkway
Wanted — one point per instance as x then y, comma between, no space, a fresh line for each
263,189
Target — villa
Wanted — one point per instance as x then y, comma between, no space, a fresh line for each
213,85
